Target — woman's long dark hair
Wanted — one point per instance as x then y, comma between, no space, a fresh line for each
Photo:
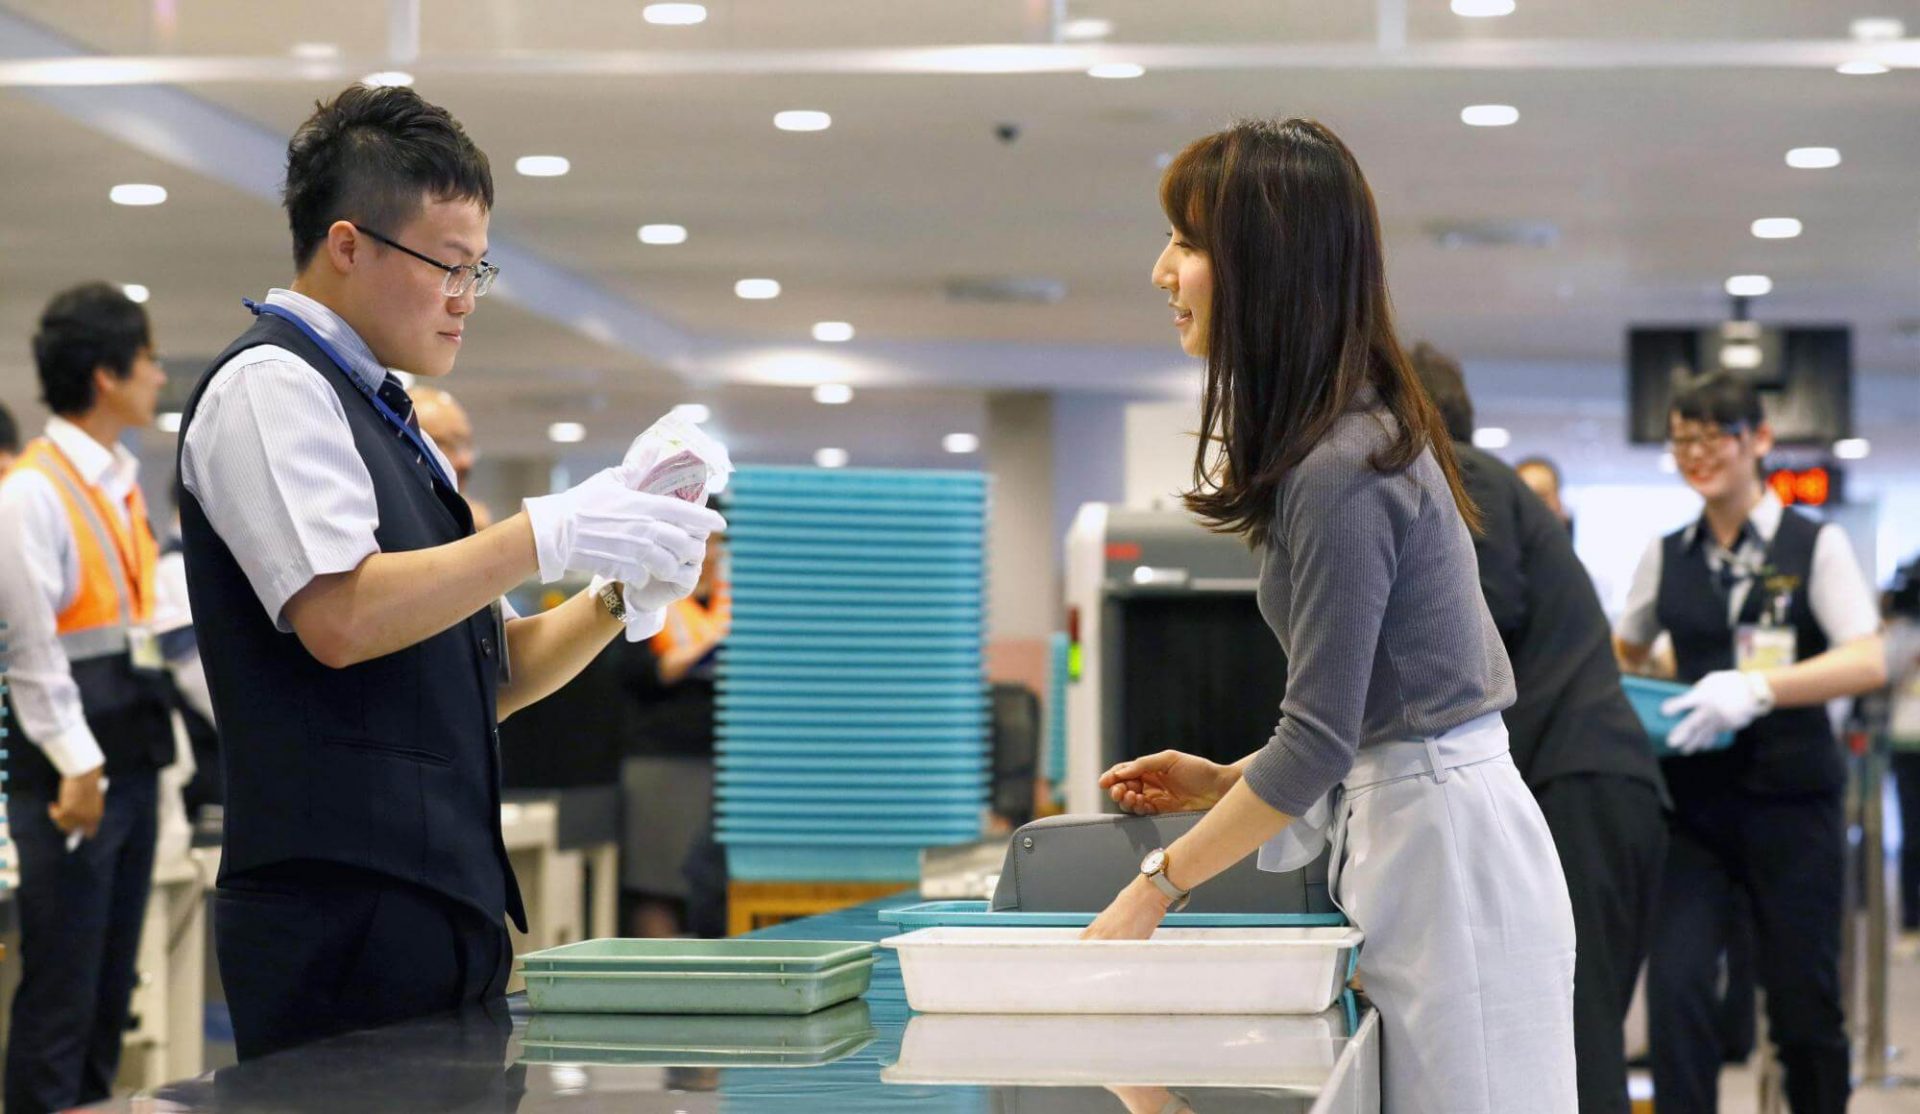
1300,315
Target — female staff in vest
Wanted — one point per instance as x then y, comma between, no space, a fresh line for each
1770,619
77,588
1320,447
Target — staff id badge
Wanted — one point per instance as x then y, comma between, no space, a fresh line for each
1764,647
144,647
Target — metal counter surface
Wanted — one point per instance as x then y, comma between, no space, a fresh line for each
876,1056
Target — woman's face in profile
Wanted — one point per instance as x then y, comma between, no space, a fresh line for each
1185,273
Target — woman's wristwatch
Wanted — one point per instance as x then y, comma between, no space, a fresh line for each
613,597
1154,869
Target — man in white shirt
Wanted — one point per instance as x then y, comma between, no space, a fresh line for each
347,611
89,695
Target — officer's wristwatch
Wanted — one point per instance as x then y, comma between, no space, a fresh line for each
613,597
1154,869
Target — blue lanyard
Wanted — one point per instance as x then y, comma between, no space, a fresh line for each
393,419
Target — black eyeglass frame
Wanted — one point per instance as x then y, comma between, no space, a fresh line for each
460,276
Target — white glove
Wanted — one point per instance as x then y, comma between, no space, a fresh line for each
605,528
1726,700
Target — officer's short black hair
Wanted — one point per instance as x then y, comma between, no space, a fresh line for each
1440,374
9,431
93,325
1719,398
370,156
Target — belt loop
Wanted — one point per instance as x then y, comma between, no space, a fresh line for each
1433,758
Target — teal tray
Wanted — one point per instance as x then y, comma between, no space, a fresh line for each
1646,695
703,992
709,1041
977,914
763,956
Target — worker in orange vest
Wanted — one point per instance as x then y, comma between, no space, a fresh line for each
88,692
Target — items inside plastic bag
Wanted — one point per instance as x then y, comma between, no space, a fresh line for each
675,458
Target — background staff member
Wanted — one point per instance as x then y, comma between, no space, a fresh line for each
445,422
347,610
1770,618
87,689
9,439
1575,738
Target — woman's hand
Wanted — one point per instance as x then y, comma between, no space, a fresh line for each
1168,782
1132,916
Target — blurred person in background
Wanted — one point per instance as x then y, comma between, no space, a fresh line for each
9,439
445,422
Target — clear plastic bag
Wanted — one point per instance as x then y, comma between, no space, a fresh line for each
675,458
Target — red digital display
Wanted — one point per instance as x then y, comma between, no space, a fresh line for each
1808,487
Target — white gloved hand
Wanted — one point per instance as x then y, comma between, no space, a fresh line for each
605,528
1726,700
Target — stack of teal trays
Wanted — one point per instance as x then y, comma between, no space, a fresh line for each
1059,666
852,710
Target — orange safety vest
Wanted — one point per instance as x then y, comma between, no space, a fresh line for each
117,558
690,622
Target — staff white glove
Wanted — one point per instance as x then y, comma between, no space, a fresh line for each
605,528
1727,700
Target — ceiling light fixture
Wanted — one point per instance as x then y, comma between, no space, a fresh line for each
1877,29
1489,115
960,444
757,289
802,120
832,332
1749,286
695,412
662,234
1813,158
1085,30
833,394
169,421
136,293
1482,9
831,458
1776,228
387,79
1852,448
315,52
1744,356
1116,71
542,166
137,193
1861,67
674,15
566,433
1491,437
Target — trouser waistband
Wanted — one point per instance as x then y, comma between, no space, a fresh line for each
1476,740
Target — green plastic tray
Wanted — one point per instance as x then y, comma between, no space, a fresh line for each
750,1041
747,956
699,992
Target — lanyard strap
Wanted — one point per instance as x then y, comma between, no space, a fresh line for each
393,418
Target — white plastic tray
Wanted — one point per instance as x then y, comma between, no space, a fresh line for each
1178,971
1013,1050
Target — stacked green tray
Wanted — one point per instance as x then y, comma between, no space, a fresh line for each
784,977
697,1042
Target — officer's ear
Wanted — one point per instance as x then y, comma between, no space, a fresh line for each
343,247
1763,440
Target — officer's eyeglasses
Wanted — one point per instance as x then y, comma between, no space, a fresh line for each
1703,441
477,277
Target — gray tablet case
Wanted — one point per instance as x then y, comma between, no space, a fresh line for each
1076,864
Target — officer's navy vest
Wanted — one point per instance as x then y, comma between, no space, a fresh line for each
391,765
1791,751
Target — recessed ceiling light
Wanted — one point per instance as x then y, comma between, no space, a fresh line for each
960,444
695,412
1489,115
137,193
832,332
1749,286
386,78
662,234
831,458
802,120
1744,356
566,433
1862,67
1776,228
757,289
1116,71
833,394
1852,448
1813,158
542,166
674,15
1491,437
1482,9
169,422
136,293
1085,30
315,52
1874,29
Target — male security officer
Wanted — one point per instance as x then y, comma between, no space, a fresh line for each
348,612
88,694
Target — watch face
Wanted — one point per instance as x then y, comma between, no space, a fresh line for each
1154,862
